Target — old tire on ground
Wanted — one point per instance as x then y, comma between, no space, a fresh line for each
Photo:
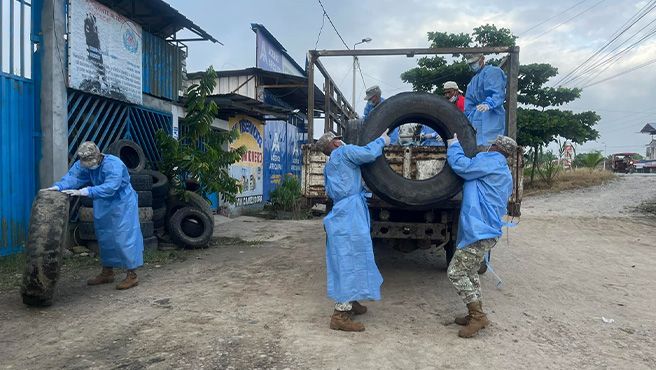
87,231
46,236
141,181
430,110
159,217
130,153
150,243
160,182
145,198
191,227
175,202
86,214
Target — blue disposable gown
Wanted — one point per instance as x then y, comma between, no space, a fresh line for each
436,141
369,107
352,273
488,186
487,86
115,210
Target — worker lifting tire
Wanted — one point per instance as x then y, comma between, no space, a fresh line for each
44,247
130,154
428,109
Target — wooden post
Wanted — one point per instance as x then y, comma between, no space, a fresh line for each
310,105
511,92
327,101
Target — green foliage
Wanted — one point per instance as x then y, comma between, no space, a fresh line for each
286,197
589,160
538,122
199,153
548,168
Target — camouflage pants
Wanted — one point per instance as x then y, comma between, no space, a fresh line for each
463,269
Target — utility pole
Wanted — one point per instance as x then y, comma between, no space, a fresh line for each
54,117
355,61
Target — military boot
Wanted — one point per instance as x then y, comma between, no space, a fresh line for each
357,308
477,320
130,281
464,319
341,320
106,276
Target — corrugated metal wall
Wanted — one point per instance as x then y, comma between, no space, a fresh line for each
19,128
17,160
162,67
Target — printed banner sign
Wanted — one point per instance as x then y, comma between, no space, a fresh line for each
104,52
248,171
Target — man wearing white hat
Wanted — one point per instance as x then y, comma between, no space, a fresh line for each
373,98
454,94
484,99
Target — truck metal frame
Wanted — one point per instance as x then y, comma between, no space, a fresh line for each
407,229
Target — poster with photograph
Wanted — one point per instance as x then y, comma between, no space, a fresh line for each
104,52
248,171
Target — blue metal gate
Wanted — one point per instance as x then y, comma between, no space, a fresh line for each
103,121
19,127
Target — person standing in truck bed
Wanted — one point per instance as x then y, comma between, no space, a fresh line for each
485,194
351,270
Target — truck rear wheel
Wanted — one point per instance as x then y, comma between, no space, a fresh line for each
428,109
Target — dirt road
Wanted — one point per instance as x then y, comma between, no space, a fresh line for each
260,303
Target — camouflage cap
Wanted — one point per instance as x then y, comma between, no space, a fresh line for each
506,144
471,58
372,91
89,153
324,140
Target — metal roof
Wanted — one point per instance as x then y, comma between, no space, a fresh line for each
649,128
157,17
235,103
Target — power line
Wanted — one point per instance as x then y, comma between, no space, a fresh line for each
621,74
323,21
639,15
550,18
567,20
333,24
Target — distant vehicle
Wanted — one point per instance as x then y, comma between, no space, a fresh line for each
624,162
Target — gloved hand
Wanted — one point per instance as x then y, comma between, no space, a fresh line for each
483,107
431,135
386,137
84,192
453,140
52,188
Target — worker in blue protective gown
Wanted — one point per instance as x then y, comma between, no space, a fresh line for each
352,273
429,137
105,179
485,194
486,93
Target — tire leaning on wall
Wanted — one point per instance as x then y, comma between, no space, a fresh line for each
45,242
85,214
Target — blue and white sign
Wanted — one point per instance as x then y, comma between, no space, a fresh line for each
271,58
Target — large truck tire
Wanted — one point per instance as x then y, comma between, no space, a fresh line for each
160,182
87,231
141,181
427,109
191,227
45,242
176,202
130,153
85,214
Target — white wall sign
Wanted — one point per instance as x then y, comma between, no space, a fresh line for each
104,52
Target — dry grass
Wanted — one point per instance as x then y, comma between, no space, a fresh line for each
569,180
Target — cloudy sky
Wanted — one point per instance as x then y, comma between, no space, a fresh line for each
567,33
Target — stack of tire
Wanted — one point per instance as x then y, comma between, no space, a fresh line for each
151,188
190,221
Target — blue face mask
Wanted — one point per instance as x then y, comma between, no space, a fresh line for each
475,66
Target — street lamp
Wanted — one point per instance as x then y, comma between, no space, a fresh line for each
355,60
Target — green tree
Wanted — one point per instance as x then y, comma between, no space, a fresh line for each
589,160
199,153
539,121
